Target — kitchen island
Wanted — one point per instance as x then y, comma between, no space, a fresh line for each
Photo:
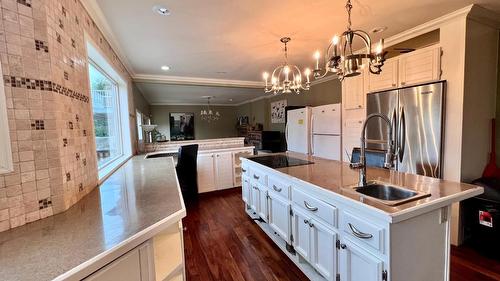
332,232
127,229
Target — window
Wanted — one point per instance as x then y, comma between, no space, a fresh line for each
106,112
140,132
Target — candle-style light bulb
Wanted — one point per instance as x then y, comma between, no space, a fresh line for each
286,69
380,47
307,72
335,39
265,75
316,56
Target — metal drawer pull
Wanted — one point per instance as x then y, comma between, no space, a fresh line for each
306,221
256,177
276,188
309,207
311,224
358,233
243,170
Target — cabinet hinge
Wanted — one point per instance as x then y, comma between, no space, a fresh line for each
291,212
384,275
337,278
337,244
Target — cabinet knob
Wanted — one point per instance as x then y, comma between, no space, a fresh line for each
359,106
243,170
403,83
306,221
394,85
256,177
343,246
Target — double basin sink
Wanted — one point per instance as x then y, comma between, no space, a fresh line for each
389,194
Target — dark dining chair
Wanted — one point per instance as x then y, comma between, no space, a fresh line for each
187,171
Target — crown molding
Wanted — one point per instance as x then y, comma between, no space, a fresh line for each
197,81
255,99
99,19
427,27
190,104
324,79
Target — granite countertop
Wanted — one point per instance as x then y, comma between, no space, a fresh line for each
338,177
141,198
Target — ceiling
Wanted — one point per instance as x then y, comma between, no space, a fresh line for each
238,40
158,94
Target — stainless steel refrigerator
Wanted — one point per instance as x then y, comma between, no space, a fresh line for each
417,116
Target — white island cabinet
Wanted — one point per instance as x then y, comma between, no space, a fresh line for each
332,233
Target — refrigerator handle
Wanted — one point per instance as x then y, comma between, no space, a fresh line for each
394,136
286,134
312,135
402,135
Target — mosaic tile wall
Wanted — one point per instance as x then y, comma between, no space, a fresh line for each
43,56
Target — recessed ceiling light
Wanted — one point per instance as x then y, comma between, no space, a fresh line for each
165,68
161,10
379,29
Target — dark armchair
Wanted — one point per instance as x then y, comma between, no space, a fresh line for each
187,171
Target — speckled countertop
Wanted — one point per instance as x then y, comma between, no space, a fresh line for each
339,178
141,197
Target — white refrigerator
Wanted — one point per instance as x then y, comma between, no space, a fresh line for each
326,131
298,130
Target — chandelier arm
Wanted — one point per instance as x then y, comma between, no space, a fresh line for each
366,39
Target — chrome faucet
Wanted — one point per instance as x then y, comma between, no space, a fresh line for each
389,154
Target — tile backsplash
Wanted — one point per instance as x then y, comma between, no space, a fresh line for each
44,63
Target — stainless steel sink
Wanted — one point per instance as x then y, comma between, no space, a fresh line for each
389,194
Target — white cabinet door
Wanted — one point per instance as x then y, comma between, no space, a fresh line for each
355,264
245,190
255,197
387,79
126,268
324,252
279,216
420,66
262,208
353,92
206,173
301,234
224,170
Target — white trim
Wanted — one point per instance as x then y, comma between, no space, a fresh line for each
191,104
6,163
197,81
426,27
267,96
99,19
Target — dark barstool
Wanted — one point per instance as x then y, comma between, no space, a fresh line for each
187,171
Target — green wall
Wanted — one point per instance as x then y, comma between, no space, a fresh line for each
225,127
260,111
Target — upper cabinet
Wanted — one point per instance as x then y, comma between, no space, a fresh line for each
353,92
387,79
420,66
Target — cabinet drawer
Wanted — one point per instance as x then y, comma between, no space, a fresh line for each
320,209
258,176
244,170
362,231
279,187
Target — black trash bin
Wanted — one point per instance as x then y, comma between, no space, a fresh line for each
482,218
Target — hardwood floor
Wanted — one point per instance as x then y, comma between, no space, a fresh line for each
222,243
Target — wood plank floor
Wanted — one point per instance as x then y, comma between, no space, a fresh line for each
222,243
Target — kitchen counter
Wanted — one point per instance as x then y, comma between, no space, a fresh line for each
202,150
337,177
138,201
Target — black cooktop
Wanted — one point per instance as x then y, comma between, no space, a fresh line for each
280,161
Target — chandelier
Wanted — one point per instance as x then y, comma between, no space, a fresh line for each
343,61
286,77
208,114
